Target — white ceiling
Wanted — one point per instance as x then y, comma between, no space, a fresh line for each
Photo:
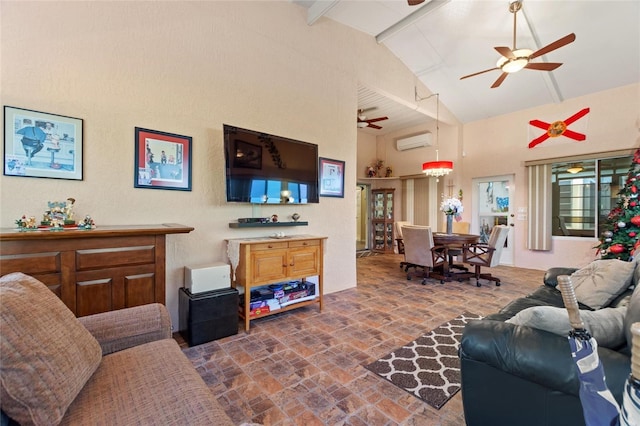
444,40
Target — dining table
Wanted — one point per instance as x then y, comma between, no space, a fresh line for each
452,244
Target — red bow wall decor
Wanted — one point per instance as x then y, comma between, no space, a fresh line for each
559,128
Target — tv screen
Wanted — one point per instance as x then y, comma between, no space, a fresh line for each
267,169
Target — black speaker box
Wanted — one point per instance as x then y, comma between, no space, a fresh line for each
209,315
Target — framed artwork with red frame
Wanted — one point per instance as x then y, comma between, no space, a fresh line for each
162,160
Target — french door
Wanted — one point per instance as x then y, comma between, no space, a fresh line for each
492,199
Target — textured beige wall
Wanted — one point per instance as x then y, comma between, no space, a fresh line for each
499,146
187,68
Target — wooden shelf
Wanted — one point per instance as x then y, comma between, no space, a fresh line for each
265,225
110,231
282,309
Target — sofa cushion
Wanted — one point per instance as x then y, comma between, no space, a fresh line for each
633,315
46,355
636,270
601,281
544,295
605,325
154,383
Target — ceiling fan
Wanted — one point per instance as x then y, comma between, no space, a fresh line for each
364,122
515,59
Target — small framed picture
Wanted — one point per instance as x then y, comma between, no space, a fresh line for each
40,144
162,160
331,178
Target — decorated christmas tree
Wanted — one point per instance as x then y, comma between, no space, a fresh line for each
622,227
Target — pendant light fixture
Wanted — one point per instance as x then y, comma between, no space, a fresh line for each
575,168
437,168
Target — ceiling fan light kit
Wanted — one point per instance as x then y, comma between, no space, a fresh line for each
514,59
520,60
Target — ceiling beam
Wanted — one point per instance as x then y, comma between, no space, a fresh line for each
410,19
318,9
547,77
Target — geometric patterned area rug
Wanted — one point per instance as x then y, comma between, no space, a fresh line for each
428,367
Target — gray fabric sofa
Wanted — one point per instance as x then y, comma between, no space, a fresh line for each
116,368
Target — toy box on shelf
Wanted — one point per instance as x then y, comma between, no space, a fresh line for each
272,297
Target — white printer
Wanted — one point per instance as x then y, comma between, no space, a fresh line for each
216,276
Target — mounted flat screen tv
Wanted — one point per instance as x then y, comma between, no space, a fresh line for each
267,169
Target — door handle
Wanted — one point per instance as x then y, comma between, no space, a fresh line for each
512,224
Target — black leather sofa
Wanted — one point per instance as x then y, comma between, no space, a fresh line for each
518,375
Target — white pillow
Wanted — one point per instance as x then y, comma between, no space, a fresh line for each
605,325
601,281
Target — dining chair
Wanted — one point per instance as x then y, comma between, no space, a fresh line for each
399,238
487,255
458,228
461,227
419,250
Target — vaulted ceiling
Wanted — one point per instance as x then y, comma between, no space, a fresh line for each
443,40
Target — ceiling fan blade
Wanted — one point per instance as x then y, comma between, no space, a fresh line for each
499,81
373,120
478,73
414,2
543,66
505,51
553,46
374,126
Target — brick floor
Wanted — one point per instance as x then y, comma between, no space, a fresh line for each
304,367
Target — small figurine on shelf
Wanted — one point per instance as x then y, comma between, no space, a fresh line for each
60,213
56,224
389,172
68,211
371,172
25,223
87,223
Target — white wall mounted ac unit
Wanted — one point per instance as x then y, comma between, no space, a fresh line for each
417,141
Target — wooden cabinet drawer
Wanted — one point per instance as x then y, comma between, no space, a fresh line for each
269,246
114,257
30,264
306,243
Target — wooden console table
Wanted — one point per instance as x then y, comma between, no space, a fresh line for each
93,271
262,261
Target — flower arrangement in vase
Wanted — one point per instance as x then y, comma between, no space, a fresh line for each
453,208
